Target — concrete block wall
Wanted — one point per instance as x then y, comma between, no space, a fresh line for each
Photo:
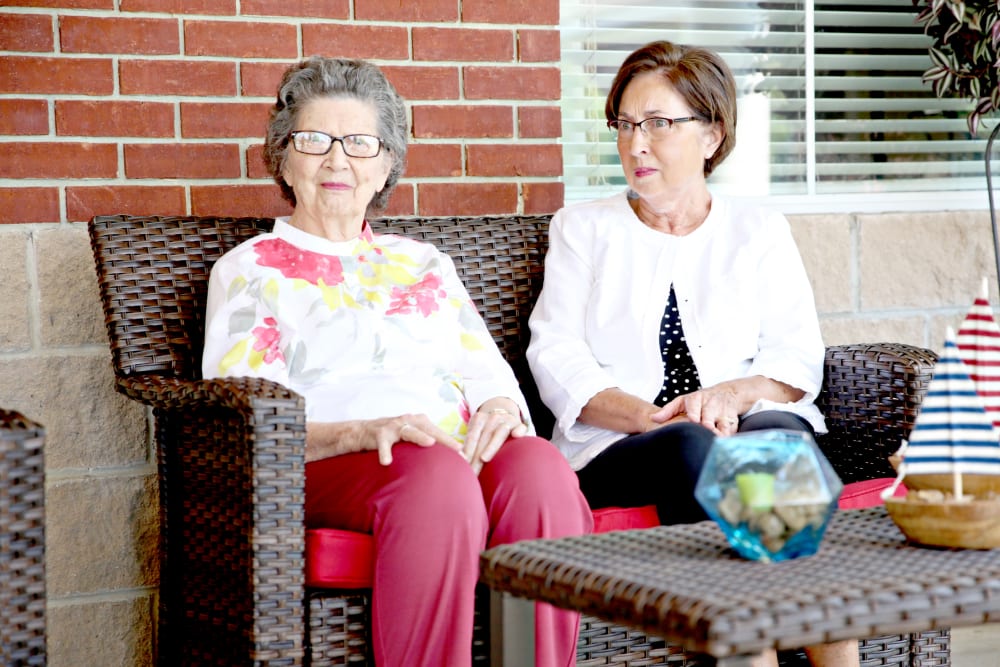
158,106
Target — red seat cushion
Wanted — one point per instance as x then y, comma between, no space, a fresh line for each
344,559
868,493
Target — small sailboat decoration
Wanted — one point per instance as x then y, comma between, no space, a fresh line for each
951,463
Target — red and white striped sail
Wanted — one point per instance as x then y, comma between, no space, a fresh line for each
978,344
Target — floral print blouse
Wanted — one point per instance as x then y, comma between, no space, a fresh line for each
373,327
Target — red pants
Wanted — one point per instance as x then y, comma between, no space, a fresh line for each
431,516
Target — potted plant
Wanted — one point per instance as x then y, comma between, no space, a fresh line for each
964,63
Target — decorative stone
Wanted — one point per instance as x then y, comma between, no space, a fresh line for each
771,492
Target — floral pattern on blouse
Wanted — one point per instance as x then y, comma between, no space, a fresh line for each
373,327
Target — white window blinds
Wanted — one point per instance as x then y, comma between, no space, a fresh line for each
831,101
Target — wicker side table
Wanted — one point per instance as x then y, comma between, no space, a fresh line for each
22,541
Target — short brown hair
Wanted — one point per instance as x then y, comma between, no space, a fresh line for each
700,76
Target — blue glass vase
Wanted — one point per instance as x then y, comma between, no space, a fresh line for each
772,493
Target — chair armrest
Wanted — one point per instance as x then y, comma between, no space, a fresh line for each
870,399
231,454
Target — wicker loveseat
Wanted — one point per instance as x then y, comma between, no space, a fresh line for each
237,584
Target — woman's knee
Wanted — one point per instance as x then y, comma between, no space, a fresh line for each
433,481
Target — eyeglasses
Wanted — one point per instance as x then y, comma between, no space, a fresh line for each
311,142
654,128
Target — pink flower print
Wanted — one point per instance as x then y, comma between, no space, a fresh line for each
267,339
294,262
423,296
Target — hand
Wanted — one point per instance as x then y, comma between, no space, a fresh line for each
716,408
415,428
489,428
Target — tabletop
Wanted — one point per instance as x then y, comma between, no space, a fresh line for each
685,583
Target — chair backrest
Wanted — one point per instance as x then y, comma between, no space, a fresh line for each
153,278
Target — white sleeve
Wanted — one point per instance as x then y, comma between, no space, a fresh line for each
564,368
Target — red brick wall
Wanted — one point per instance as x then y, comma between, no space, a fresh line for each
159,106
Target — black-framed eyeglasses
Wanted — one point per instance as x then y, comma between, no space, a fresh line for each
312,142
654,128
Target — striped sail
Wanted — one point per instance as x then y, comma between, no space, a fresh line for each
979,347
954,432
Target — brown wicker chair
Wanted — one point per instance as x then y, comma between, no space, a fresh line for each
230,452
22,537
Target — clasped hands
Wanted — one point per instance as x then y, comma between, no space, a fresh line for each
716,408
489,428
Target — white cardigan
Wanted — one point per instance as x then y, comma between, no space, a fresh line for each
744,299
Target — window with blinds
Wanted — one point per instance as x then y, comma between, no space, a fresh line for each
830,96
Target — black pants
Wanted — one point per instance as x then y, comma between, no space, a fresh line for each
661,467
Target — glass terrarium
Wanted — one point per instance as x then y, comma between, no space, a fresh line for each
772,493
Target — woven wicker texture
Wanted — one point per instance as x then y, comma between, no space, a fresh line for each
685,582
231,452
22,541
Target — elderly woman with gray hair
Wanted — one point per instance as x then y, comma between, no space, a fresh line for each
416,429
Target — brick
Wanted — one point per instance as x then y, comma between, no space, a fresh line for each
321,9
539,122
26,32
84,202
255,162
424,10
240,40
538,46
19,205
215,7
238,200
424,83
182,161
261,79
66,76
543,198
355,41
467,122
230,120
15,311
531,12
825,243
47,159
514,160
68,4
69,305
467,198
88,34
177,77
512,83
24,117
401,201
85,118
429,160
463,44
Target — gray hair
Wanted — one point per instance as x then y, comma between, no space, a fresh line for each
319,77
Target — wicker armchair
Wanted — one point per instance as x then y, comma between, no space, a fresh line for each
230,452
22,538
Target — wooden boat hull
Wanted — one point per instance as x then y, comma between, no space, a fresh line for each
973,524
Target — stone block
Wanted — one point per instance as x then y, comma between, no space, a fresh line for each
825,245
101,534
87,423
924,260
846,330
69,305
15,327
101,633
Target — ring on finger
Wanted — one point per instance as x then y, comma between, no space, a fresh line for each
731,421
